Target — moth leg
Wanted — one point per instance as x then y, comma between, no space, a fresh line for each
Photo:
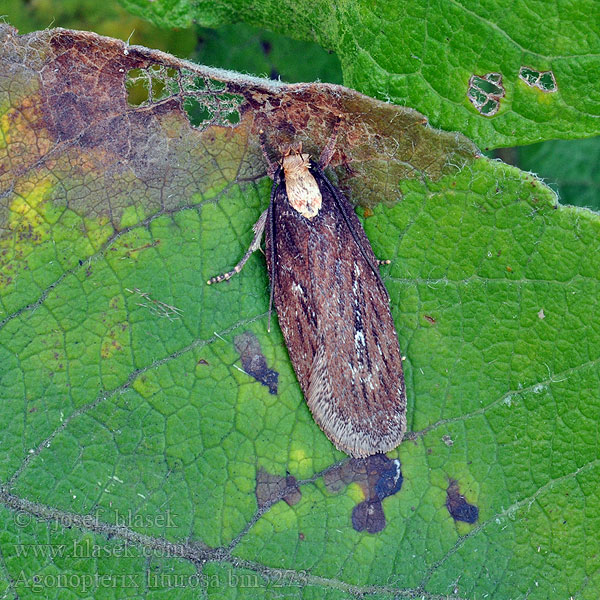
258,228
271,166
329,150
386,261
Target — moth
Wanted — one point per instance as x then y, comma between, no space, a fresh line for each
332,306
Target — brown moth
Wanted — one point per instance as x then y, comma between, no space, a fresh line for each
333,308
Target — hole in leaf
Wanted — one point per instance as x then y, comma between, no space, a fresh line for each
477,96
158,89
547,82
216,85
489,87
205,101
529,76
193,83
489,108
543,80
485,93
164,84
138,87
494,77
145,86
197,113
233,117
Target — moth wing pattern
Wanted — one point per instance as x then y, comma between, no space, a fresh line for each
333,309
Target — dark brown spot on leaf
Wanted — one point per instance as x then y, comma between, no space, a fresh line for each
378,476
254,362
457,504
271,488
368,516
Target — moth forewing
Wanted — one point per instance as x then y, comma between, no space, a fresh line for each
334,313
333,310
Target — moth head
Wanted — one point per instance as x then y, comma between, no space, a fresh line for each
301,186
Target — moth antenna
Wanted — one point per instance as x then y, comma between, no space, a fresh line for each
329,150
271,166
259,228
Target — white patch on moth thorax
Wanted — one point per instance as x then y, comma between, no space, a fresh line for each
302,189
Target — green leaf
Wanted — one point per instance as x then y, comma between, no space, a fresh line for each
133,441
424,55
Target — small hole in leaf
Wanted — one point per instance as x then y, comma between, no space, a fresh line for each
547,82
489,108
477,96
543,80
216,85
488,87
159,89
197,113
165,82
233,117
485,93
192,83
137,85
529,76
153,84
